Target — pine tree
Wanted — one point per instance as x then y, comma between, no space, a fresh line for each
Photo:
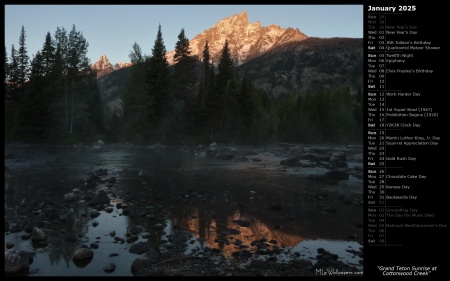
59,73
225,69
206,77
77,53
14,71
136,55
78,68
184,68
158,79
57,70
37,67
205,111
48,54
34,109
225,97
13,99
62,46
182,48
23,59
9,104
183,84
6,68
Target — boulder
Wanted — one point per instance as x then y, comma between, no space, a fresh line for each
100,198
83,254
109,267
139,248
17,261
38,235
140,264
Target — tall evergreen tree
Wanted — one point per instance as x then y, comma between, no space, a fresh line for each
184,68
14,71
225,97
77,53
59,73
34,103
225,69
6,68
58,90
183,84
182,48
78,68
48,54
23,59
10,110
57,70
205,106
60,85
158,79
38,69
61,42
207,77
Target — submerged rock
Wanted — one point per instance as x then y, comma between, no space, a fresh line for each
140,264
38,235
83,254
100,198
139,248
17,261
109,267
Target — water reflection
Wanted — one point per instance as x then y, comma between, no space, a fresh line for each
230,236
221,206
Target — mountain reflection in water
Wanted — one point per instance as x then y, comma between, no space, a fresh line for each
229,205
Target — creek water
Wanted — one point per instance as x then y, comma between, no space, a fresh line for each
220,204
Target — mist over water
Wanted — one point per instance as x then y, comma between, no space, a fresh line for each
220,204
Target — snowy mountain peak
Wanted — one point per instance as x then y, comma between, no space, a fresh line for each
245,40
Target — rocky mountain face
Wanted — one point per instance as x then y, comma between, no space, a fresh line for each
104,67
246,40
102,64
120,65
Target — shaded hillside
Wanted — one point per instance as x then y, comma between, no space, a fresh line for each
111,86
312,64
